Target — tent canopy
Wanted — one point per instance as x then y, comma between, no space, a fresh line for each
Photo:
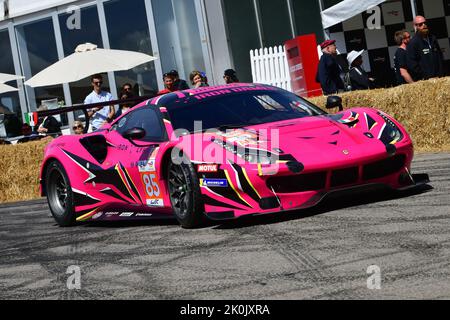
86,61
345,10
5,88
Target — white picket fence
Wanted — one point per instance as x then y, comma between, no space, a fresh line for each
270,66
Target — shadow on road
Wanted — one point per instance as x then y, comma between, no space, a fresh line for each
330,203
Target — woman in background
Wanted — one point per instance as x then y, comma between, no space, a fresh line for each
78,128
198,79
124,107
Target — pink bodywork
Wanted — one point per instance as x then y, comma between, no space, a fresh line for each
327,149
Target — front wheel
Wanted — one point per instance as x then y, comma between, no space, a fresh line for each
185,195
60,195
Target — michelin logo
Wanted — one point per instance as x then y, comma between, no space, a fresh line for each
223,183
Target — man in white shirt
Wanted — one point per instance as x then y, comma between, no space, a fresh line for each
101,115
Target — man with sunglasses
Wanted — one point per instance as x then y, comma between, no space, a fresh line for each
402,75
101,115
425,58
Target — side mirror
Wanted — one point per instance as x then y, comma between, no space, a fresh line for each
134,134
334,102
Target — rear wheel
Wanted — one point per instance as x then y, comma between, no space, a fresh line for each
60,195
185,195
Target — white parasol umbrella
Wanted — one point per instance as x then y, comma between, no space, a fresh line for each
4,77
5,88
86,61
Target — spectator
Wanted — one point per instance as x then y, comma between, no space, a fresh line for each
49,125
230,76
358,76
402,38
123,107
198,79
328,73
425,58
78,128
101,115
178,84
168,84
127,88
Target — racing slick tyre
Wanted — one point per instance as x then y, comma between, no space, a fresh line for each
59,194
185,195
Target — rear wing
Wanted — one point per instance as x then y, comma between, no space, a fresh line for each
32,117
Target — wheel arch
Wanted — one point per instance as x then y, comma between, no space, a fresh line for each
45,166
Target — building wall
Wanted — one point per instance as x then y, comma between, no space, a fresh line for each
37,34
19,8
254,24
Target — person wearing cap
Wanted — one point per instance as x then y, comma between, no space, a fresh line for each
168,84
358,76
178,84
425,57
230,76
328,73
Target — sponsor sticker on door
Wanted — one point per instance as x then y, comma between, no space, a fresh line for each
205,168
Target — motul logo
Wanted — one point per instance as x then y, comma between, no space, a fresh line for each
207,168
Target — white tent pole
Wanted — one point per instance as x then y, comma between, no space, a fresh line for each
326,34
413,8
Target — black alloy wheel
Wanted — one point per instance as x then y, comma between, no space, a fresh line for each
185,196
59,194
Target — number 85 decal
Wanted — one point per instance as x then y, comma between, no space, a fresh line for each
151,185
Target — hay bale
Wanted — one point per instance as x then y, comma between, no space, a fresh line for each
422,107
19,170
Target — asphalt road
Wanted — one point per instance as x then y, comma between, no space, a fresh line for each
315,254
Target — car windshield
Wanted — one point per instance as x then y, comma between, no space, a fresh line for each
234,110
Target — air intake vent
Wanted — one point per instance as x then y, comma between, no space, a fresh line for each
298,183
384,167
344,177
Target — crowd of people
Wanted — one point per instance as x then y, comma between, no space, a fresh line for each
417,58
100,115
172,83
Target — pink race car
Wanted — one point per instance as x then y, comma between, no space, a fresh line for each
222,152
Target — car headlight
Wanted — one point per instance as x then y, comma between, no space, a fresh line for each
391,134
249,155
261,158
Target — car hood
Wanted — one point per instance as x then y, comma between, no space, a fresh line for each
332,139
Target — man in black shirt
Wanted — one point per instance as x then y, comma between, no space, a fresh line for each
401,58
328,73
178,84
425,58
